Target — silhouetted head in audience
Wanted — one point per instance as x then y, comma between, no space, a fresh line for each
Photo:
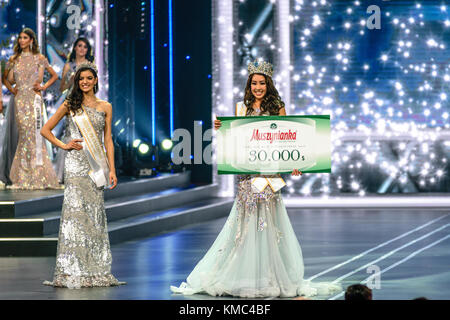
358,292
420,298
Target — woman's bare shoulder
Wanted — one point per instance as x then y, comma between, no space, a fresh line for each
103,103
104,106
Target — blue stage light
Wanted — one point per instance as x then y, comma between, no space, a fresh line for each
171,90
153,80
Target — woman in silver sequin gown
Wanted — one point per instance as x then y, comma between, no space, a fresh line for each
257,253
83,253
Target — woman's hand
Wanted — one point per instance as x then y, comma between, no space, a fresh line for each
295,172
217,124
112,179
38,88
14,91
73,145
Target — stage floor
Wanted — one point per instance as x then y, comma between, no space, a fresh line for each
410,247
17,195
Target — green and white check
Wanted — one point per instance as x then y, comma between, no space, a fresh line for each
273,144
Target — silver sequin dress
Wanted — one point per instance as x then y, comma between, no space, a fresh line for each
83,255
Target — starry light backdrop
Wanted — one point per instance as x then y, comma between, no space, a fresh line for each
387,90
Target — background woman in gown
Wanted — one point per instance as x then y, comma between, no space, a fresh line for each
83,254
31,167
257,253
81,53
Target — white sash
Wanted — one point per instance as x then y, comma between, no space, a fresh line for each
93,149
37,106
260,183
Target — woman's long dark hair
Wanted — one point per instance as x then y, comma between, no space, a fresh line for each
271,102
75,99
89,57
35,46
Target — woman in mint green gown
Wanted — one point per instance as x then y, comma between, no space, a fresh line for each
257,253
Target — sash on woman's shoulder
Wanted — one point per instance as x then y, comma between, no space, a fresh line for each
93,149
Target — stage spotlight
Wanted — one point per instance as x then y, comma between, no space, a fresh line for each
167,144
143,148
145,158
136,143
165,160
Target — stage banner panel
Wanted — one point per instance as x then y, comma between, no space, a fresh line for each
274,144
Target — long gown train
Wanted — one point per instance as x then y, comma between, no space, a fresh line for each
256,254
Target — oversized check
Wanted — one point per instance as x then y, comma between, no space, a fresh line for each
273,144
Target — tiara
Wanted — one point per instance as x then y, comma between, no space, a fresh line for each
89,65
260,67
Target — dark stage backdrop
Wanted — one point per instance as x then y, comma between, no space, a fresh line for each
192,80
140,67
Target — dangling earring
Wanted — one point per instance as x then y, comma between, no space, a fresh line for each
31,46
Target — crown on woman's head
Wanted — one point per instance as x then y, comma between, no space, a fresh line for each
260,67
88,64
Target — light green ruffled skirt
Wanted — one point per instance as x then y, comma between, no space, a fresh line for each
255,255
